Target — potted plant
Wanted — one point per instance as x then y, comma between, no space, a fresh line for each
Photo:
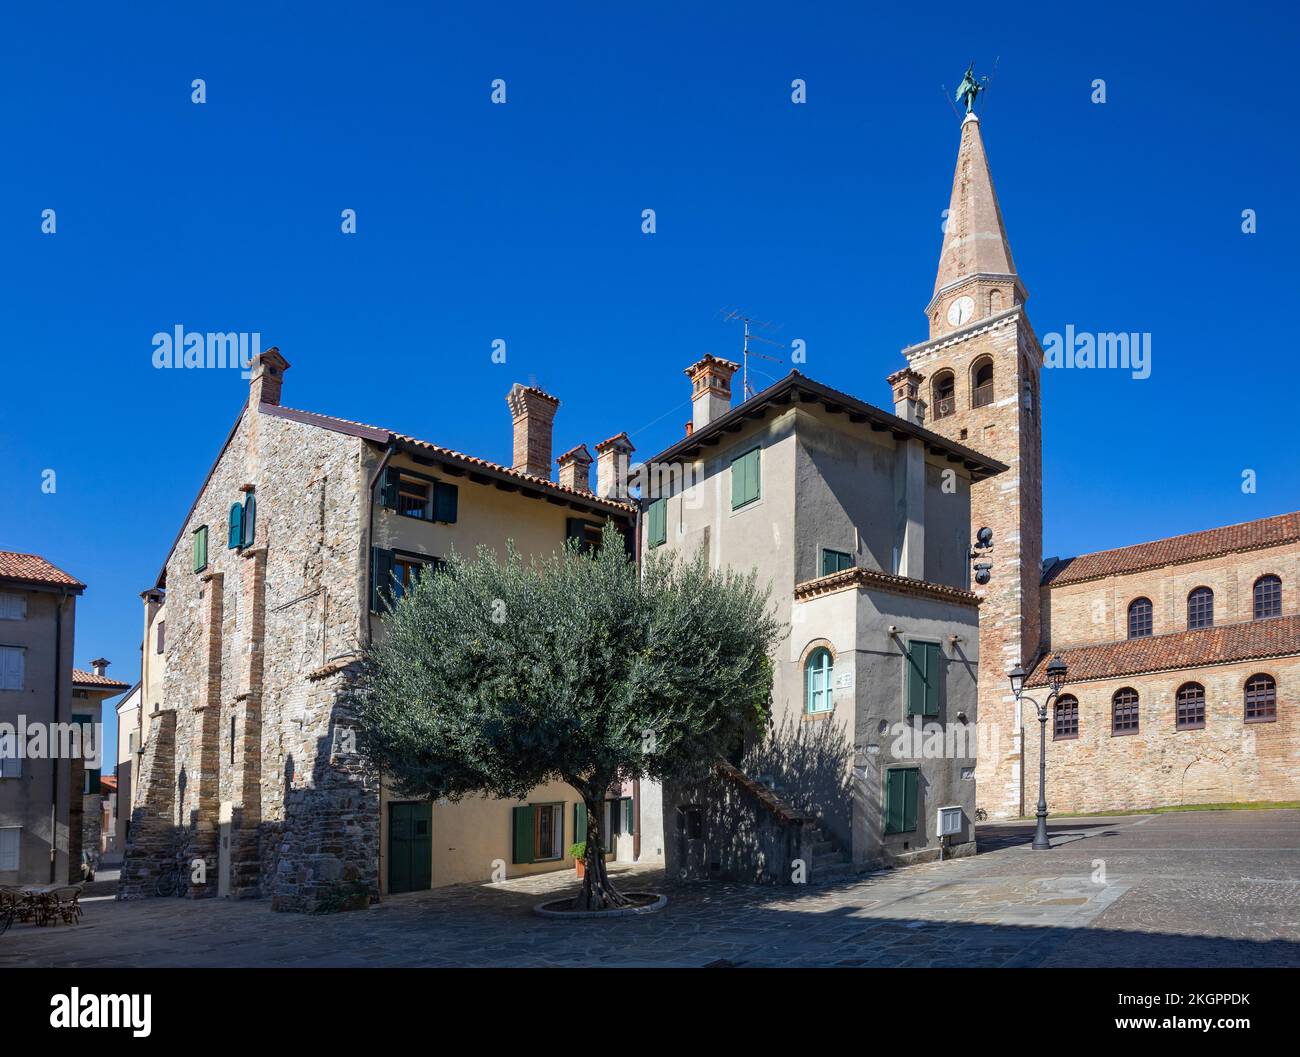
579,853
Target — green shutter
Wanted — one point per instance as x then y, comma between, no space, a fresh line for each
923,677
250,519
658,522
933,659
523,834
235,533
629,820
900,799
579,823
389,492
381,578
745,478
201,548
446,500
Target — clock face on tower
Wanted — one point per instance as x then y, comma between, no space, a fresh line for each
960,311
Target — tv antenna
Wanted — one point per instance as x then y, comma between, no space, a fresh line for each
731,314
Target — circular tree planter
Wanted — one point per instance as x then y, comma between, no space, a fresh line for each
642,903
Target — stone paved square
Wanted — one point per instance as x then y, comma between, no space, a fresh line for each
1197,888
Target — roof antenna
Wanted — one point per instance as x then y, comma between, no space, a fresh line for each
730,314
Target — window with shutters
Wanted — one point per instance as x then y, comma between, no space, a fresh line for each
901,785
394,573
235,527
416,495
250,519
924,676
586,534
745,478
200,548
835,561
10,842
657,522
162,636
11,764
538,833
13,607
818,674
12,662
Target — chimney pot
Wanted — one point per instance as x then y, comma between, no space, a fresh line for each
267,377
532,412
612,459
99,665
575,468
906,386
710,389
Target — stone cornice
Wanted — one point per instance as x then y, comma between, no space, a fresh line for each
875,580
1010,315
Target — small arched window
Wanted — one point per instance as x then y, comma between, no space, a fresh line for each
981,382
1139,618
943,393
1261,699
1124,711
1200,608
1189,704
995,301
1065,718
1268,597
818,671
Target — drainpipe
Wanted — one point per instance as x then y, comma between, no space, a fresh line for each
370,530
54,774
636,782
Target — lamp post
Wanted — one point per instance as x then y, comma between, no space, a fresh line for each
1055,680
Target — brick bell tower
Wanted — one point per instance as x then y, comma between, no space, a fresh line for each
980,380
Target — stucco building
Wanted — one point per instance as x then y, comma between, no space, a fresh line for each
304,529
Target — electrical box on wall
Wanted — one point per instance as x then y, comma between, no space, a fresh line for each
949,821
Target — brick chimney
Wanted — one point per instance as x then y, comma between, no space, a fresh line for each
267,377
532,412
612,459
100,666
575,468
710,389
908,404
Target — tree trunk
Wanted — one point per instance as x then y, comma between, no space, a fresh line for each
597,891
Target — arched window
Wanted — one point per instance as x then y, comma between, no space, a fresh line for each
943,394
1189,704
1261,699
995,301
1268,597
1124,711
1139,618
818,671
1200,608
1065,718
981,382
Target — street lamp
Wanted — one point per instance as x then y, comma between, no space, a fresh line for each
1056,672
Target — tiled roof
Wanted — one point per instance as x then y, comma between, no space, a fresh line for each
108,784
874,579
32,568
1246,641
1250,535
99,682
381,436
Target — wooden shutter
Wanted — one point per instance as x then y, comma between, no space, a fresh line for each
579,822
933,659
250,519
575,529
446,500
523,834
911,777
923,678
745,478
388,494
201,548
235,529
381,578
162,636
629,820
900,799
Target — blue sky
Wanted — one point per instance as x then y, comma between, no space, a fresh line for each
522,222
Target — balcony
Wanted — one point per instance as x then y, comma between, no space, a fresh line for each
982,395
944,406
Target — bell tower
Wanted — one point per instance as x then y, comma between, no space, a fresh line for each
979,377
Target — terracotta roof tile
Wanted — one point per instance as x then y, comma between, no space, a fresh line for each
1194,546
1246,641
874,579
100,682
33,569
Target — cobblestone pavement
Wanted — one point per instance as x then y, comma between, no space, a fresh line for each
1185,889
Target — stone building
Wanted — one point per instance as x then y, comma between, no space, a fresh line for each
1182,652
859,522
90,689
304,528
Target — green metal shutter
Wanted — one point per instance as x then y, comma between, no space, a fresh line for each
201,549
523,834
446,501
745,478
629,820
915,678
381,578
235,532
579,822
911,776
250,519
389,491
900,799
658,522
932,661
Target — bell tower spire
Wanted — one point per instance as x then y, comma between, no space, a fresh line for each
977,274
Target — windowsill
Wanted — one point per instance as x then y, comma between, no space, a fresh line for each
1260,719
1065,737
1122,733
746,506
812,717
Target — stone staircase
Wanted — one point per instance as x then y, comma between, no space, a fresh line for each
827,861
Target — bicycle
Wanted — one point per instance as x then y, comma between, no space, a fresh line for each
174,880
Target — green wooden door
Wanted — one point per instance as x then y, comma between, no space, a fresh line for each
410,847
